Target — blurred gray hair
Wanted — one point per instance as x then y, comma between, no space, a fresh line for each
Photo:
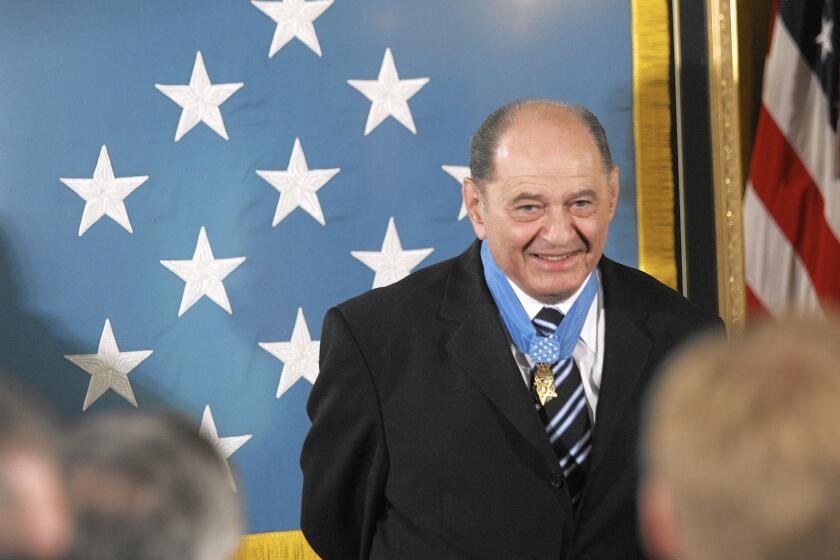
486,139
147,486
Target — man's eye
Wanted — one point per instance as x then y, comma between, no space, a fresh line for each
583,207
528,208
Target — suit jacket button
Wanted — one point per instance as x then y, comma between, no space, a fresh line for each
556,479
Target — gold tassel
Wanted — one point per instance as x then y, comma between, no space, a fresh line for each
652,136
286,545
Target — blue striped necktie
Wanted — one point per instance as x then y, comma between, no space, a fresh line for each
565,417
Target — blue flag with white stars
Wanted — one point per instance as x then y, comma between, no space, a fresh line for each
186,188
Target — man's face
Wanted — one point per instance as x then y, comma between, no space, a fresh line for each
546,211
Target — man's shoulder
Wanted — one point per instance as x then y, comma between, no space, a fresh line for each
641,292
418,290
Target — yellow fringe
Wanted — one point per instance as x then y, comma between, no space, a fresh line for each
652,134
288,545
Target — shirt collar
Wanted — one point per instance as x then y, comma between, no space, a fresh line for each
589,333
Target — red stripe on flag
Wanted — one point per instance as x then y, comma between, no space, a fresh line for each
755,309
793,200
774,7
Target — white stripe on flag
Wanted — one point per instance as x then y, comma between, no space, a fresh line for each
793,96
773,269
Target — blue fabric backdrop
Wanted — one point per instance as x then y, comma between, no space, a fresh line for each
78,75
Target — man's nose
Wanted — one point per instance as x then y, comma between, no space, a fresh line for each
557,227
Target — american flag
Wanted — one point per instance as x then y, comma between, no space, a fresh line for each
186,188
792,201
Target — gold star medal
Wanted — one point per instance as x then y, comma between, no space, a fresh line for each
544,383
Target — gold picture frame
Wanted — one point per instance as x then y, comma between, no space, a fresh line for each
727,159
655,42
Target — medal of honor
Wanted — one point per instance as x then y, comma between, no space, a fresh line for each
544,383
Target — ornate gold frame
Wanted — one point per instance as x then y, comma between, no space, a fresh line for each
652,47
652,139
727,161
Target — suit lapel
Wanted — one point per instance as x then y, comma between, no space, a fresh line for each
626,347
481,348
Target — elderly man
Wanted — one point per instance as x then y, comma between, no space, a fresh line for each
456,415
743,461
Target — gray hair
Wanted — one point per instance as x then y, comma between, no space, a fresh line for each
486,139
147,486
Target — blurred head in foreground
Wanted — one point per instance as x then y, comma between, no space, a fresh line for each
34,516
146,486
743,447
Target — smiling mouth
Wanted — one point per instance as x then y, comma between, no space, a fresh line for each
555,258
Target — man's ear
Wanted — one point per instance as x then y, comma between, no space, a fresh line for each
613,189
474,204
658,525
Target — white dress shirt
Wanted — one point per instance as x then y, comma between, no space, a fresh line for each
589,350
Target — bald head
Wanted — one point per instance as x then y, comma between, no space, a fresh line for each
485,142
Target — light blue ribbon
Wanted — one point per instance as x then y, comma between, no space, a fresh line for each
541,349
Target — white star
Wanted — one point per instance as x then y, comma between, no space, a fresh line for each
298,186
459,173
294,19
203,275
200,100
299,355
104,194
389,95
109,368
391,263
225,446
824,38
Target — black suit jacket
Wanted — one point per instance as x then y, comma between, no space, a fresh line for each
425,442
